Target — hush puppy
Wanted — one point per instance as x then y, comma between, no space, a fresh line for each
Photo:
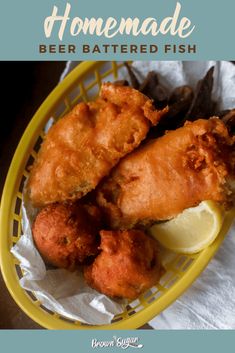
66,235
127,266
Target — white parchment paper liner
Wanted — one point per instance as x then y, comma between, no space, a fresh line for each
66,293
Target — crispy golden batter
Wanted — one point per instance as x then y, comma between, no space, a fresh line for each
127,266
67,235
166,176
81,148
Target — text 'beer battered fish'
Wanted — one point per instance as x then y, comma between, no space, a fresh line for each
169,174
82,147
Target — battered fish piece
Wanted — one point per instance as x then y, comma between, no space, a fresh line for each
174,172
67,235
82,147
127,266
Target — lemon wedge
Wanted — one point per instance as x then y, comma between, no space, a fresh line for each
192,230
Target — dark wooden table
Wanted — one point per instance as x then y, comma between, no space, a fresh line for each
24,87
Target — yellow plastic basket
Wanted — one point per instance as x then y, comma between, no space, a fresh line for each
82,84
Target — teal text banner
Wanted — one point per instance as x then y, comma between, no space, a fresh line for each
141,341
117,30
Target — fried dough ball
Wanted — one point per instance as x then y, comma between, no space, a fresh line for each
127,266
66,235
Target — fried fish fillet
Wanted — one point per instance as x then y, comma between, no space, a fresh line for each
127,266
82,147
167,175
